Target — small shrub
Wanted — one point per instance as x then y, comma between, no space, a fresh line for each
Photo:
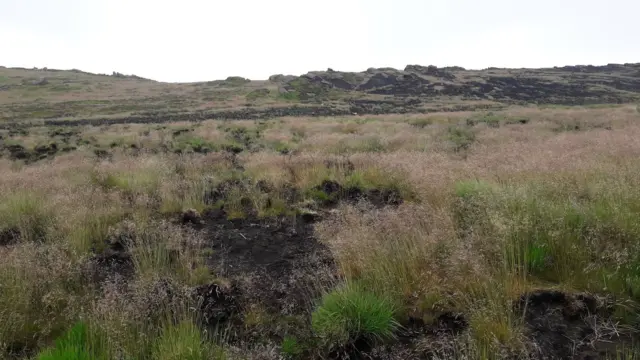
460,137
350,312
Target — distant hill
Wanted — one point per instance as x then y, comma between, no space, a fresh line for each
74,96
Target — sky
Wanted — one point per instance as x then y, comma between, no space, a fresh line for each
201,40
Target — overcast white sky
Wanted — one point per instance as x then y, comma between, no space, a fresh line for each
197,40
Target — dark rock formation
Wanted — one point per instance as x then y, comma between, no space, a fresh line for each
569,85
431,71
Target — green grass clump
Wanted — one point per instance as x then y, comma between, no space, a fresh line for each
26,215
184,341
461,137
291,348
350,312
76,344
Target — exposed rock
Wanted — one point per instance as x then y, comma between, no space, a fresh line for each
281,78
430,70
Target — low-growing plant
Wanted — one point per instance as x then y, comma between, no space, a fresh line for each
461,137
351,312
291,348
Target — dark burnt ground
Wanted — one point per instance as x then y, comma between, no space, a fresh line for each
572,326
331,193
274,262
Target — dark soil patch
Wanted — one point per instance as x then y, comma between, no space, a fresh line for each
274,262
9,236
17,152
569,326
416,340
217,304
112,262
378,197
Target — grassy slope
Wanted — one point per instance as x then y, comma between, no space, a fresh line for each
80,95
497,204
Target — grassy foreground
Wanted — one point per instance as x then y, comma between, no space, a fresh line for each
495,206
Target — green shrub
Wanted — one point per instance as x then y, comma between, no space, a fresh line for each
350,312
461,137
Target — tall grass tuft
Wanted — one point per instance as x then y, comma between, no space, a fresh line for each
184,340
38,295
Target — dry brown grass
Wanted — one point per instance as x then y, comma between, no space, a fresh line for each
457,244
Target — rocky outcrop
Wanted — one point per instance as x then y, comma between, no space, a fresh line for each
569,85
430,71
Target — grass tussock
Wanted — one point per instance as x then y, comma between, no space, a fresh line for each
40,289
351,313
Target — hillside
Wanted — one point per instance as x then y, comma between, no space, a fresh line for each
34,95
155,221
